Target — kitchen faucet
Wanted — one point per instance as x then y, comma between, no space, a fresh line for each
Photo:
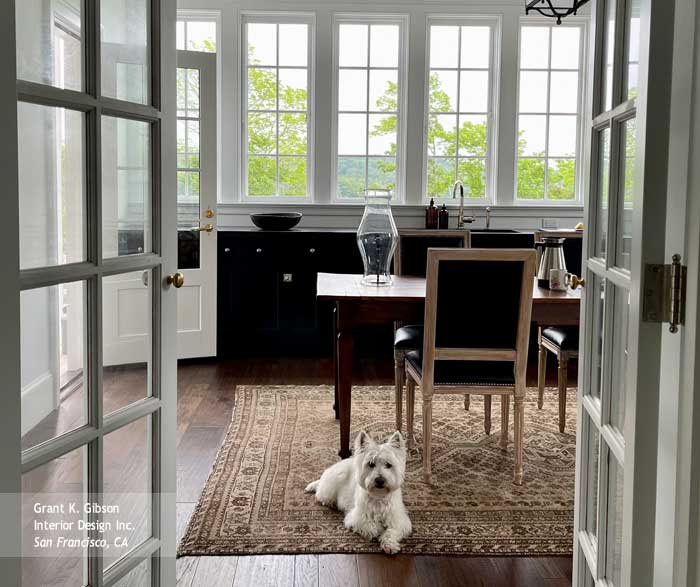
488,217
461,218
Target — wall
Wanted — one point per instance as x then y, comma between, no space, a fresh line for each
323,213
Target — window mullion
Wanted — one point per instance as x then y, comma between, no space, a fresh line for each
547,118
277,110
369,69
459,97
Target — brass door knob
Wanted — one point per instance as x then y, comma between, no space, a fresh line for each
176,279
575,281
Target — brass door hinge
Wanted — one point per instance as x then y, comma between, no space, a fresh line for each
664,293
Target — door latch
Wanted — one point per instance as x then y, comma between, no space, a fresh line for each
664,293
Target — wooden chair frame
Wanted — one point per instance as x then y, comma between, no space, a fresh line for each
563,357
400,354
518,355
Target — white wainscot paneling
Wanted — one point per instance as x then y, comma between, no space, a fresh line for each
348,216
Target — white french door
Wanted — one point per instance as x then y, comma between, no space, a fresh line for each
88,423
625,212
196,203
125,334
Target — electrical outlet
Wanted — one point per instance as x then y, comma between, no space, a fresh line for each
550,223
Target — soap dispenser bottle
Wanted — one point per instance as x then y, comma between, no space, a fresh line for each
431,215
443,217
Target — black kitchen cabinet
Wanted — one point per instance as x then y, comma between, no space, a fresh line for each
267,304
267,292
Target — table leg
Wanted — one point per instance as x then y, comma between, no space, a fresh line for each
344,388
335,362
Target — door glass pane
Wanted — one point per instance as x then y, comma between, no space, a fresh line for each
592,463
127,487
126,187
137,577
632,34
188,168
53,361
125,55
49,46
613,556
47,492
603,185
51,155
628,151
597,291
619,358
127,339
608,54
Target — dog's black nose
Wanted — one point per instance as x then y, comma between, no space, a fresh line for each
379,482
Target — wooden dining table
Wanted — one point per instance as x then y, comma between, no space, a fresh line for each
356,304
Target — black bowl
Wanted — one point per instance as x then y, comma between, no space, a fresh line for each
276,220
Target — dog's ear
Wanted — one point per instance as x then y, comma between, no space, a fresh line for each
362,441
396,440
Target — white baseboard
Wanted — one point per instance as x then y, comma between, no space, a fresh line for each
38,401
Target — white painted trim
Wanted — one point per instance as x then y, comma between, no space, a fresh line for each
39,399
320,216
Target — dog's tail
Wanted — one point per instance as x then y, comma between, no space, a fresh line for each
311,487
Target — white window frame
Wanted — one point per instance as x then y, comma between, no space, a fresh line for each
571,22
492,139
308,18
403,22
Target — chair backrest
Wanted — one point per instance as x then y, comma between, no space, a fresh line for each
412,250
477,307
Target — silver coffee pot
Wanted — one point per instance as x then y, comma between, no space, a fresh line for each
551,250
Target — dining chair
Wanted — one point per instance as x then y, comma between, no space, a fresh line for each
478,306
563,342
410,259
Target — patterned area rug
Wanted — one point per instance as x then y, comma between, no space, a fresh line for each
282,437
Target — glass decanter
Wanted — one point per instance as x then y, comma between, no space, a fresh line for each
377,237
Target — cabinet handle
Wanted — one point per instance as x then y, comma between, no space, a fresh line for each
227,250
312,250
258,250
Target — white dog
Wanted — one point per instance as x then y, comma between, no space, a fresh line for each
367,487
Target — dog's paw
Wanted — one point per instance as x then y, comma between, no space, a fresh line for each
311,487
365,532
390,547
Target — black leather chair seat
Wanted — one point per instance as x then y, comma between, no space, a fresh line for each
565,337
477,373
409,337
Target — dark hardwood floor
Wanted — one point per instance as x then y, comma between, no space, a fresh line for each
205,401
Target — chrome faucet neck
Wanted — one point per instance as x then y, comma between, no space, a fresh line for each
460,214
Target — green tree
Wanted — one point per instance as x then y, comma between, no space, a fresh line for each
275,137
442,148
